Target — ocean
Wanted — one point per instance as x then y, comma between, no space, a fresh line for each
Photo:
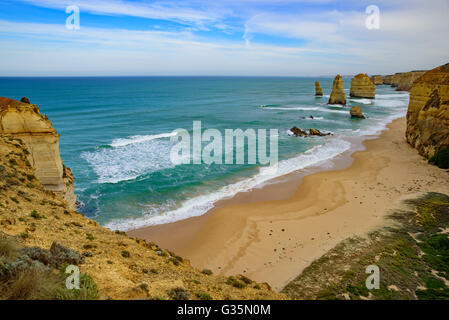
115,136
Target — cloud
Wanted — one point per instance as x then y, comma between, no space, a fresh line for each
157,10
412,36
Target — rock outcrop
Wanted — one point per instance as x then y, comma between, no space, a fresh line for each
24,121
377,80
395,79
362,87
404,81
428,112
338,94
318,90
387,79
297,132
356,112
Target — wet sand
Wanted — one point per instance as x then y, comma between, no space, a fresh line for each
272,233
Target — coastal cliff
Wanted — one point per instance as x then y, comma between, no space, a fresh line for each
36,212
428,112
377,80
338,94
362,87
404,81
387,79
24,121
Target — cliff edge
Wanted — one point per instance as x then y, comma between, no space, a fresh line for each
24,121
428,112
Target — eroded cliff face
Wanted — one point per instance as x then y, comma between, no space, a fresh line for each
24,121
362,87
377,80
428,112
406,80
338,94
387,79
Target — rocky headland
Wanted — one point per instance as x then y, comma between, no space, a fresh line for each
377,80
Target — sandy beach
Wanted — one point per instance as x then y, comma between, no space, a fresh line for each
271,234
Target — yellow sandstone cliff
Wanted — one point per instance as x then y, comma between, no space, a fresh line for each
24,121
377,80
362,87
428,112
387,79
404,81
338,94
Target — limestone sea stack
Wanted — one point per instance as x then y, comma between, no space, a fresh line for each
318,90
24,121
428,112
356,112
338,94
362,87
377,80
405,80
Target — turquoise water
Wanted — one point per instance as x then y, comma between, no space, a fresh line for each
115,135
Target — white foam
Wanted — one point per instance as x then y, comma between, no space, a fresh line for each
362,101
117,143
199,205
391,103
130,160
333,110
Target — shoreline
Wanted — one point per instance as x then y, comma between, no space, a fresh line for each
272,233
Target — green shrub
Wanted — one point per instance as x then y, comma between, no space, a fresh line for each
34,214
8,248
178,294
441,159
203,296
207,272
126,254
88,290
235,283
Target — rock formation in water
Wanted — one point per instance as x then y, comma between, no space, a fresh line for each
338,94
356,112
297,132
428,112
377,80
24,121
404,81
362,87
318,90
387,79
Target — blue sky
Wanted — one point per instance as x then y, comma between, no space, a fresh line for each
227,37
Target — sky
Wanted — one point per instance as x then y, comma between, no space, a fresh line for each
221,37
